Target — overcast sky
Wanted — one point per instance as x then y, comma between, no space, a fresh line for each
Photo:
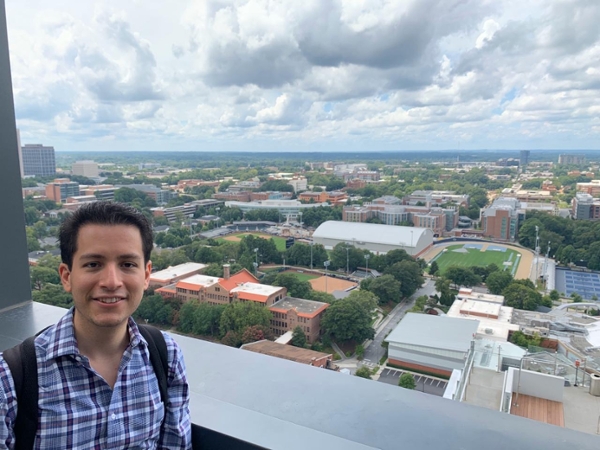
306,75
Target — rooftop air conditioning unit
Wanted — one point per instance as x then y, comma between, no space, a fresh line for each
489,331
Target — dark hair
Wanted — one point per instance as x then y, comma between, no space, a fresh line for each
102,213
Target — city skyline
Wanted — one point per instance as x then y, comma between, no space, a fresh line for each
315,76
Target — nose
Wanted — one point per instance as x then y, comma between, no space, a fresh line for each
111,277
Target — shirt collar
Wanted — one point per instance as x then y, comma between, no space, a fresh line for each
59,340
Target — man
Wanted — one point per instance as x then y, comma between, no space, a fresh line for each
97,387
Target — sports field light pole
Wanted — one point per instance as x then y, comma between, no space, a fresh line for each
256,256
311,254
367,262
347,258
326,264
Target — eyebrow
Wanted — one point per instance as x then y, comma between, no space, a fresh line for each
99,256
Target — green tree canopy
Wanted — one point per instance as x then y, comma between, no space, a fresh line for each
498,281
363,372
407,381
237,316
298,337
350,318
385,287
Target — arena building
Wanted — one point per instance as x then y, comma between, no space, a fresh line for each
379,239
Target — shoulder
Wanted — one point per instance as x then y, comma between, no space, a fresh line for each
7,385
173,349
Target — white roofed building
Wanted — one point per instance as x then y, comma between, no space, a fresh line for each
377,238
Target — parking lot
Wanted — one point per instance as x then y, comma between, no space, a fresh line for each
425,384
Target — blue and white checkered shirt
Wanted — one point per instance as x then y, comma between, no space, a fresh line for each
78,409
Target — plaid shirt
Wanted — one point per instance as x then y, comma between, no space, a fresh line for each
78,409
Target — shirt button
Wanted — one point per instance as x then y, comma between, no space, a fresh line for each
114,416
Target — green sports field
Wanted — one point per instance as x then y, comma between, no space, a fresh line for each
279,241
457,255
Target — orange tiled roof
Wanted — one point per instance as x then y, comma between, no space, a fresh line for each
252,297
243,276
186,285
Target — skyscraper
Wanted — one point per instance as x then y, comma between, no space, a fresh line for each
524,160
37,159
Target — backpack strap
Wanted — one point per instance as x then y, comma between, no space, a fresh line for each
158,357
22,363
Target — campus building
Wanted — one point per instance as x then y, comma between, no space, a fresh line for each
61,188
376,238
501,219
243,286
290,312
291,353
431,344
173,274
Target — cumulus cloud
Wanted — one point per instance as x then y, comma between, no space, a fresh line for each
425,73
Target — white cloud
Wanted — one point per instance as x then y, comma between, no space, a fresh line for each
380,73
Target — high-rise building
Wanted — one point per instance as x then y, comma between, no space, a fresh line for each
37,159
85,168
571,159
524,158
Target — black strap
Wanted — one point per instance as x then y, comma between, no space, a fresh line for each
22,362
158,357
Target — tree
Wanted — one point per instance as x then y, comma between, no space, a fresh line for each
407,381
363,372
385,287
350,318
409,274
231,339
462,276
238,316
41,275
298,337
498,281
521,296
434,268
295,287
253,334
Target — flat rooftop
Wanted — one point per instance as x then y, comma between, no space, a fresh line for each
477,308
176,271
256,288
198,280
469,294
442,332
289,352
301,305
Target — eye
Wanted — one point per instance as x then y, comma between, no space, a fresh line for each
92,265
129,265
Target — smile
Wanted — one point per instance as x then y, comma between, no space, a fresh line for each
109,300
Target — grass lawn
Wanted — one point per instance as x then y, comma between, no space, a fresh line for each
279,241
475,257
302,276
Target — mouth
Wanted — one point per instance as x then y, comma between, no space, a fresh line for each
109,300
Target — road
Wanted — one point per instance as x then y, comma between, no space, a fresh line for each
374,352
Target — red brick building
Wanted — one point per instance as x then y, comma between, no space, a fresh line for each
291,312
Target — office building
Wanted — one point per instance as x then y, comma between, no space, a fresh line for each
290,312
571,159
62,188
37,160
85,169
501,219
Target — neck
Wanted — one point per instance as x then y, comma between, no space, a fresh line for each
94,341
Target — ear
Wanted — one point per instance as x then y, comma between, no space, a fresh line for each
147,272
65,276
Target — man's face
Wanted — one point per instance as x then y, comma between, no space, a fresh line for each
108,277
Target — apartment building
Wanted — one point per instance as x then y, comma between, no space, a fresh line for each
237,196
290,312
571,159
